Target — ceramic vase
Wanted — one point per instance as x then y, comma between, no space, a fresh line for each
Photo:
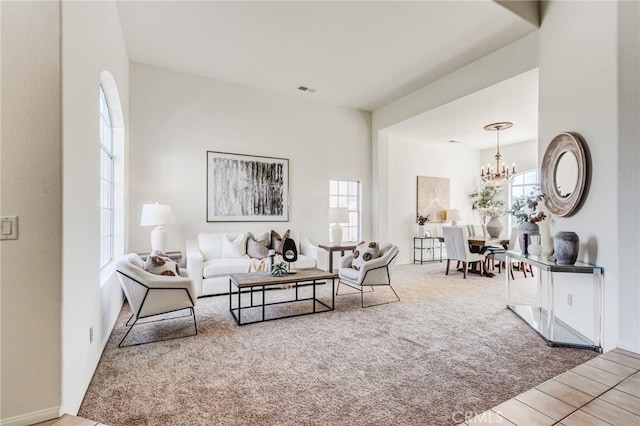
535,247
420,230
494,227
565,247
525,230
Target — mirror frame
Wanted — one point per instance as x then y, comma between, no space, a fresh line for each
560,145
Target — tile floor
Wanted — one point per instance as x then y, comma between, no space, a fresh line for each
602,392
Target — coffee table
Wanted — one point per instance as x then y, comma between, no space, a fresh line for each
260,283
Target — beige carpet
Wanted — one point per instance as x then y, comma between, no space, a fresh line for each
448,347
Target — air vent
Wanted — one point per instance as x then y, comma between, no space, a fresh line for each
306,89
454,141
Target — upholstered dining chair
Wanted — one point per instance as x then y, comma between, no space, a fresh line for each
373,273
457,243
151,295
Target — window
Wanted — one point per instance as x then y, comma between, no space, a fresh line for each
106,182
521,184
346,193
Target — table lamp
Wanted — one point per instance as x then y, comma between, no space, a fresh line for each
338,216
454,216
158,215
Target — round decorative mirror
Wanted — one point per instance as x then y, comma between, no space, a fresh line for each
564,174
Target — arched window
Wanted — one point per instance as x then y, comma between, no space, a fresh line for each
106,182
112,168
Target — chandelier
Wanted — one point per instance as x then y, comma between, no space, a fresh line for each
500,174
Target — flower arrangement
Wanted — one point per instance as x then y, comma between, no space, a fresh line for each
484,202
422,219
525,208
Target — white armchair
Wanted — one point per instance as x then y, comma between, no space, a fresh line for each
375,272
150,294
457,243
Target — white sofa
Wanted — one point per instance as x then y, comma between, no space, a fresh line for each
210,259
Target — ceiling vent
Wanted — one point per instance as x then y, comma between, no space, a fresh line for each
306,89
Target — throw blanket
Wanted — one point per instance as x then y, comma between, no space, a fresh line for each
262,265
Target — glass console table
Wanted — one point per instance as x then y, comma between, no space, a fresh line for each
540,315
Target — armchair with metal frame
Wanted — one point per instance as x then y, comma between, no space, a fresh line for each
375,272
151,295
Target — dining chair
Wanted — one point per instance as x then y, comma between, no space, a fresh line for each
457,243
499,255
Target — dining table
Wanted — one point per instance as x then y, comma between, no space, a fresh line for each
480,244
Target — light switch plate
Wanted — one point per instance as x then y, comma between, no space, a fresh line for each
9,228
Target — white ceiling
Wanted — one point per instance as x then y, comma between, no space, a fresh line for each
463,120
356,54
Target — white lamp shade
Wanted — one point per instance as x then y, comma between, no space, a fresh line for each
454,214
156,214
338,215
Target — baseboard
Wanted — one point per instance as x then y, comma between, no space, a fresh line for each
31,418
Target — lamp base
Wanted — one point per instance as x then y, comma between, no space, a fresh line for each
159,239
336,234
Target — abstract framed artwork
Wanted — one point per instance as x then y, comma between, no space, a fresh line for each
242,188
433,198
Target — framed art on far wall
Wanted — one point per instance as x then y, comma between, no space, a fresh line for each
243,188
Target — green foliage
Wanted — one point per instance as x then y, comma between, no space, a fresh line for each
485,202
525,208
279,269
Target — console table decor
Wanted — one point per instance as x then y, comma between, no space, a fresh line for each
541,316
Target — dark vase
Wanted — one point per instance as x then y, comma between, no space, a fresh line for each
565,247
525,230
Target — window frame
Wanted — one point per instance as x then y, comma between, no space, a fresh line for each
347,193
525,184
107,202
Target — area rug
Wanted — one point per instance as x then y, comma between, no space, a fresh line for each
447,350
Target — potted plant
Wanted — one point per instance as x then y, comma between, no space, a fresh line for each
527,213
486,204
422,220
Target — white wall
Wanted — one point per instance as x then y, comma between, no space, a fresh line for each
504,63
629,175
92,42
410,158
579,77
177,117
31,189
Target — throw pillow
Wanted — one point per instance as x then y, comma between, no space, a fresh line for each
233,247
258,246
277,242
159,263
364,252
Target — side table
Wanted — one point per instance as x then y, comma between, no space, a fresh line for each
331,248
176,256
430,248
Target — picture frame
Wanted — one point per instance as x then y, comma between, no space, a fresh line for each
427,233
247,188
432,198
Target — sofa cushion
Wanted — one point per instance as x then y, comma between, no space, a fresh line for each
234,246
214,267
277,241
211,243
363,253
304,262
258,245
